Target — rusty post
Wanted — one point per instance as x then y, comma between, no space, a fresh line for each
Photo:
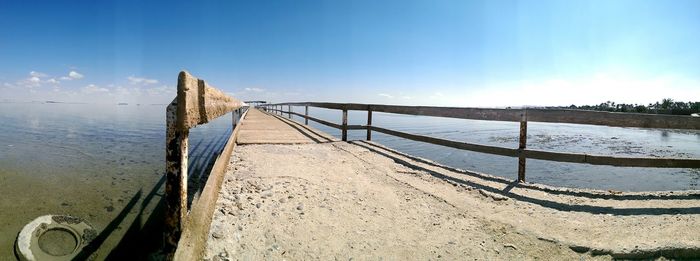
345,125
369,124
522,145
306,114
176,181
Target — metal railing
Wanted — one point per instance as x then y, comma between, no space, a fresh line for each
522,116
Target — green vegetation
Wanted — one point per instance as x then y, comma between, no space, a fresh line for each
666,106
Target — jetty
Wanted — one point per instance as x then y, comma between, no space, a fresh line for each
281,189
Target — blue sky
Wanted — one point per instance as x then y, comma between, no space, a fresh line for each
460,53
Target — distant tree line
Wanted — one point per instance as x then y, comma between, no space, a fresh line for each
666,106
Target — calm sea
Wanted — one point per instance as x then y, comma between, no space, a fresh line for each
105,163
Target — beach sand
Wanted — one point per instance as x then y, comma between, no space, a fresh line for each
360,200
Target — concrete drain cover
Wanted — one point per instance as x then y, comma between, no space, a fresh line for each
58,242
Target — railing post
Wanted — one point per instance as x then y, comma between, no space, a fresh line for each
289,111
306,114
345,125
522,145
176,179
369,123
233,116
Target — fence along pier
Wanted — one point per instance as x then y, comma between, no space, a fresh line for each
197,103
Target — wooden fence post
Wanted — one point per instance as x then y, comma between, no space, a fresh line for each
306,114
369,124
345,125
289,111
522,145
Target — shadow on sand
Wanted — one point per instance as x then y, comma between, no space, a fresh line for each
542,202
139,240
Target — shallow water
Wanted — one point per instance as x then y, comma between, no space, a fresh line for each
590,139
103,163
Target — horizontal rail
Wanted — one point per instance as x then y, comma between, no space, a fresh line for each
450,143
613,119
199,103
550,155
528,153
327,123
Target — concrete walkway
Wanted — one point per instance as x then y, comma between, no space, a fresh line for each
265,128
308,197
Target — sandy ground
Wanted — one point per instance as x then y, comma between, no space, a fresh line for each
360,200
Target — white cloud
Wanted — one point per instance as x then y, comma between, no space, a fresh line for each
30,82
37,74
91,88
162,90
254,89
52,81
386,95
139,80
72,75
75,75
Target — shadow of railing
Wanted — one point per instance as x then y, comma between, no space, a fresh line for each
303,130
542,202
202,163
511,184
139,241
144,236
97,242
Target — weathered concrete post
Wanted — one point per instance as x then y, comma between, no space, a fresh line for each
306,115
176,142
369,123
345,125
522,145
196,103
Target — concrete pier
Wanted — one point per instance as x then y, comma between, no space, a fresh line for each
293,192
264,128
